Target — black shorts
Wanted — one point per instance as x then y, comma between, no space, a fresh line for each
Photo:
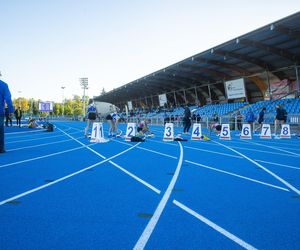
218,127
92,116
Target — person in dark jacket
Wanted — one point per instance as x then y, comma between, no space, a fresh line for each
280,118
18,115
187,120
5,97
239,118
7,117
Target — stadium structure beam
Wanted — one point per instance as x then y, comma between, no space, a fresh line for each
293,34
268,48
217,75
244,58
241,73
193,84
188,72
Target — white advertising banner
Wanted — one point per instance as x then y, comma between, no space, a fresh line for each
129,105
162,99
235,89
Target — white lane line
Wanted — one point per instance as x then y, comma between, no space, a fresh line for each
81,143
42,157
25,132
236,175
165,143
40,145
271,147
262,167
141,243
39,135
267,152
149,150
136,178
65,177
213,225
35,139
214,152
119,167
204,150
277,164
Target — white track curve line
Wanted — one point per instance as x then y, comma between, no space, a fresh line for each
64,178
262,167
215,226
271,147
142,241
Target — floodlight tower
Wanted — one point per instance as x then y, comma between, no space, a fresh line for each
19,99
84,82
63,100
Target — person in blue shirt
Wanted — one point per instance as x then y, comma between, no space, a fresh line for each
5,97
91,115
250,118
261,117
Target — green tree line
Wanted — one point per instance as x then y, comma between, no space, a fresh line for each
70,107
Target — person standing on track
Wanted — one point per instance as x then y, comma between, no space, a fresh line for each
187,117
239,118
250,118
91,115
7,117
281,117
261,118
18,115
5,97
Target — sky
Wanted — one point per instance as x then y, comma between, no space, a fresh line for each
49,44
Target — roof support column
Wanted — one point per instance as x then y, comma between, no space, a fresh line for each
152,101
175,100
269,84
196,96
184,96
209,93
297,78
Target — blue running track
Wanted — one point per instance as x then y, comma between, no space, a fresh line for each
59,191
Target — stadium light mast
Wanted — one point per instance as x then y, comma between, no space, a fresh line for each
84,82
63,99
19,98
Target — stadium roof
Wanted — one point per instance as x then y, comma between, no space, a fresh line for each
274,48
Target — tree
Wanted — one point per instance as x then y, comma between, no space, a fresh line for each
57,108
103,92
21,102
